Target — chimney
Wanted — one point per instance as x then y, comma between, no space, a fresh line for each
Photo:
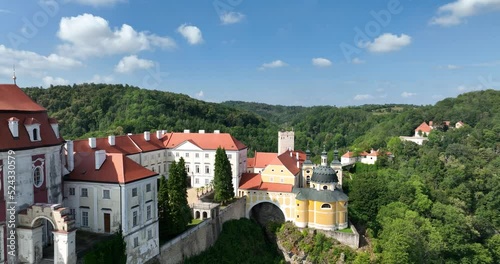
129,134
216,131
100,157
163,132
147,135
92,143
14,126
431,123
298,164
70,155
297,156
201,131
186,131
158,134
291,154
111,140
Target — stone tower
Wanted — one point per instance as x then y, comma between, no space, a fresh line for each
286,141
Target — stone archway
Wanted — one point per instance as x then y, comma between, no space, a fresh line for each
265,212
29,233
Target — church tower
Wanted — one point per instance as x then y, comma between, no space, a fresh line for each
307,170
337,166
286,141
324,157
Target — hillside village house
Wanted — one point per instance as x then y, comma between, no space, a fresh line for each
32,163
424,129
106,190
157,152
363,157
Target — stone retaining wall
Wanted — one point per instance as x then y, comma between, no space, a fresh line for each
201,237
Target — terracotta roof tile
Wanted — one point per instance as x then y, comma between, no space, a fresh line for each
289,162
262,159
15,99
205,141
116,169
7,142
253,181
424,127
250,181
151,145
123,144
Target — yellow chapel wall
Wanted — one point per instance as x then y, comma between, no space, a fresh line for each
277,174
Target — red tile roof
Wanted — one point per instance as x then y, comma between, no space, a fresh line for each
14,99
123,144
424,128
253,181
250,181
289,162
348,154
204,141
117,168
261,159
7,142
15,105
151,145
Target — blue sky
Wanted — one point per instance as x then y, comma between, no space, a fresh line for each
307,52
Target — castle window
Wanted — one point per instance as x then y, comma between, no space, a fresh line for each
326,206
35,134
308,180
308,171
37,177
325,187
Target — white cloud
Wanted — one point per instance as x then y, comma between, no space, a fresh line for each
33,64
227,18
452,67
5,11
387,43
357,61
191,33
200,94
362,97
96,3
49,80
88,35
321,62
407,94
131,63
465,88
101,79
273,64
454,13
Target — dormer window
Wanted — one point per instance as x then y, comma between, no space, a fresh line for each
33,127
55,126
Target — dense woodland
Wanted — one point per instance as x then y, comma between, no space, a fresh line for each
436,203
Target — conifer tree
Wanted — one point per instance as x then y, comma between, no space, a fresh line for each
223,178
163,207
180,212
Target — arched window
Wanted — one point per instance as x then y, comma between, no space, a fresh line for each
35,134
325,187
37,177
308,180
326,206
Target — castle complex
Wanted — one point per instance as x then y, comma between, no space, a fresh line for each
102,184
307,194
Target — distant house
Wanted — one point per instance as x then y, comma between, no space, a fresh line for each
363,157
423,129
459,124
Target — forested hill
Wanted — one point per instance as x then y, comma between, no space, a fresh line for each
102,109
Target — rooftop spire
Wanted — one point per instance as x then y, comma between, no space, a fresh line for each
14,75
